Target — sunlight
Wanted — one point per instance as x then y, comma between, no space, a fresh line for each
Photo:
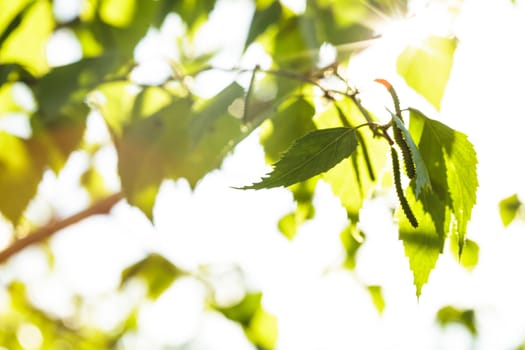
422,22
318,304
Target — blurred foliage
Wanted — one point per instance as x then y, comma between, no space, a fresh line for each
26,327
426,68
469,256
156,271
377,297
509,208
451,315
313,127
259,325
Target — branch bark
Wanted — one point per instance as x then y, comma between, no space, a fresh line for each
103,206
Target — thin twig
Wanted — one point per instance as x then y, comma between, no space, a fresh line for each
101,207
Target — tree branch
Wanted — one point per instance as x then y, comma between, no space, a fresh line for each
103,206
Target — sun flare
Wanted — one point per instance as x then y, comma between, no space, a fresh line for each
431,20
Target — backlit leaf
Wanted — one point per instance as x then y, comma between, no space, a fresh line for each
160,136
351,180
469,255
214,131
376,294
93,182
292,121
59,123
295,43
7,100
342,23
14,22
424,243
452,164
288,225
26,45
149,128
262,19
310,155
451,161
303,193
263,329
259,325
150,151
21,168
426,67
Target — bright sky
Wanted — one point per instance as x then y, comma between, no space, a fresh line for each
316,309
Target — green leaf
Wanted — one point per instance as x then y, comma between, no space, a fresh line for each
341,22
303,193
61,92
288,225
424,243
211,111
262,19
295,43
376,294
244,311
452,162
14,22
469,255
26,45
509,208
93,182
59,122
352,239
192,12
351,180
465,317
150,150
215,129
259,326
422,178
426,67
150,131
155,270
263,329
7,100
21,169
161,136
292,121
310,155
12,72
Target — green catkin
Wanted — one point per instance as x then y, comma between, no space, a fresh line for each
410,167
399,189
398,134
395,99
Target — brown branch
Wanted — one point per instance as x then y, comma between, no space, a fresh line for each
103,206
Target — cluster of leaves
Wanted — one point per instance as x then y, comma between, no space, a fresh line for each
167,131
439,199
37,328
